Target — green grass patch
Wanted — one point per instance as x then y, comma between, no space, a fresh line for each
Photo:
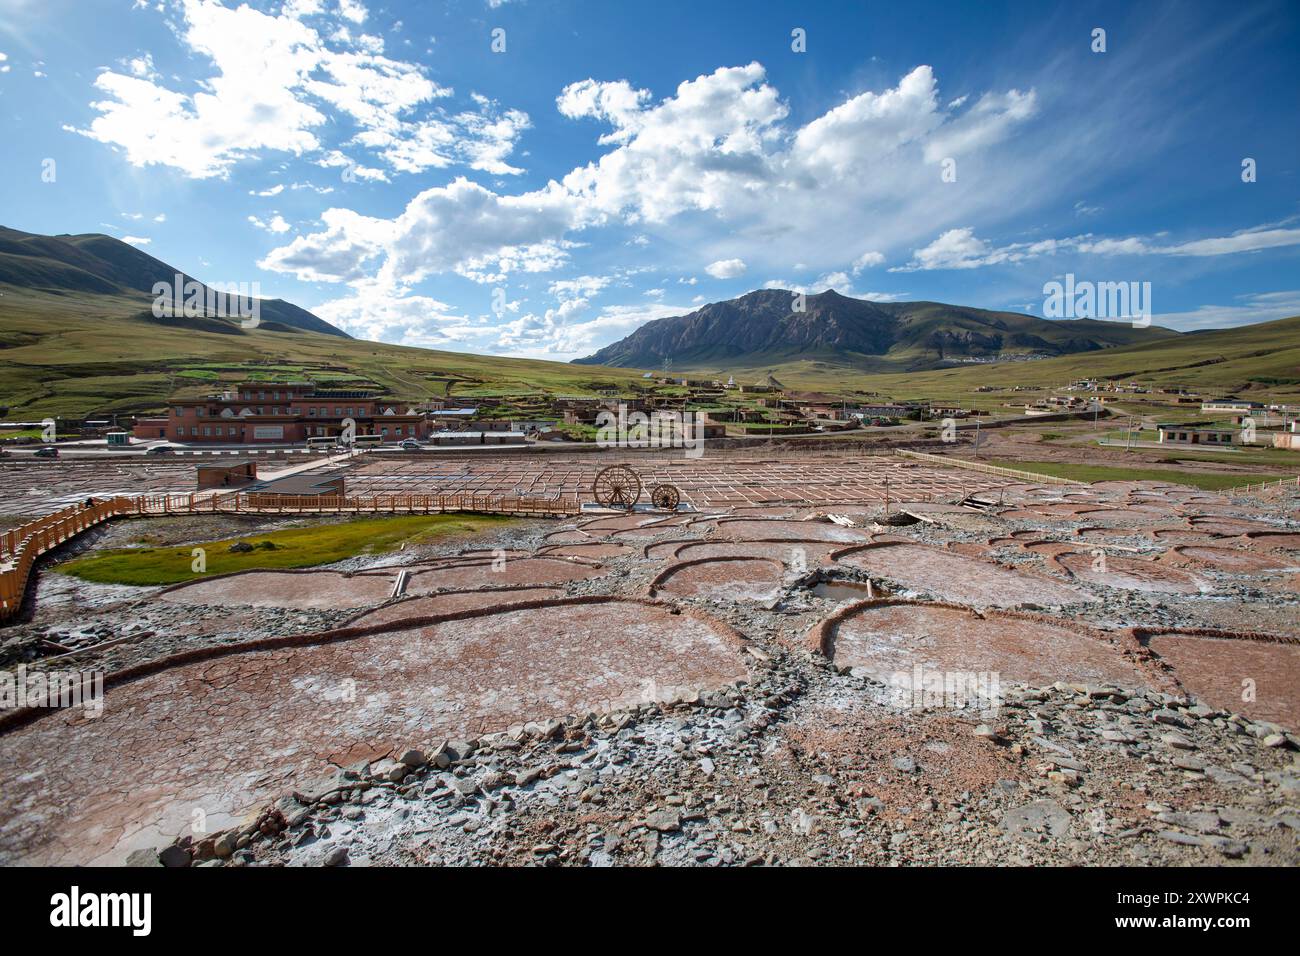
1207,481
290,548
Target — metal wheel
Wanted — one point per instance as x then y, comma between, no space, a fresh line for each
616,487
666,497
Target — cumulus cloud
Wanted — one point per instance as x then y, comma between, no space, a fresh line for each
278,80
726,268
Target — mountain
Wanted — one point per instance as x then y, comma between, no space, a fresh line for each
760,328
99,264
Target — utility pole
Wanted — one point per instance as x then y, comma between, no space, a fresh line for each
977,437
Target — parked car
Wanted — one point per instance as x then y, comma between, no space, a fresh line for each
160,450
46,451
410,444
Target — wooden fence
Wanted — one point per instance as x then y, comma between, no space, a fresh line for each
21,546
1262,487
954,462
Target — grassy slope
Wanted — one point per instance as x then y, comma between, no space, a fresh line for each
76,354
1197,479
1268,350
294,548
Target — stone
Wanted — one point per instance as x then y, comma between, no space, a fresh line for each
224,847
1202,821
664,821
146,857
412,758
174,856
1046,817
524,777
337,856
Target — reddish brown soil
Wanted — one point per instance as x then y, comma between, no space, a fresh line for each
888,640
1132,574
753,529
311,589
523,572
1231,560
1219,671
955,577
723,579
222,736
449,602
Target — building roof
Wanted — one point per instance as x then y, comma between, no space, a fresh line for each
226,465
302,485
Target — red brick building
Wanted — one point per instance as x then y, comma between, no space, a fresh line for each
265,413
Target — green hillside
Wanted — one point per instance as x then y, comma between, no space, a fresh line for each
74,354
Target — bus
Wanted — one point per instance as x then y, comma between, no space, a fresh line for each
322,444
367,441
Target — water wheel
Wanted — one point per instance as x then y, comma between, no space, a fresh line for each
616,487
666,497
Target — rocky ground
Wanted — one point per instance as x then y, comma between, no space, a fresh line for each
803,762
803,766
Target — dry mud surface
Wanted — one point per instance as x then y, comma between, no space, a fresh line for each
647,688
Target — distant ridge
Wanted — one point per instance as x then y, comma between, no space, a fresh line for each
761,328
99,264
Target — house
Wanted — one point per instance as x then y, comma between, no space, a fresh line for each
260,412
149,429
1290,440
1171,434
227,474
1230,405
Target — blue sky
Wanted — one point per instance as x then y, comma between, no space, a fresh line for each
383,165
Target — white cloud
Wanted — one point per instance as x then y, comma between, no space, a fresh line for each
273,191
279,85
962,249
137,240
868,260
726,268
1261,307
277,224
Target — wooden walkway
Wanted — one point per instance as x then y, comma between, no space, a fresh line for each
20,547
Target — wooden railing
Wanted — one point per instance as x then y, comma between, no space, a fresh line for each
21,546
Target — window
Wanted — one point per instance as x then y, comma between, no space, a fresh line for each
338,411
207,431
311,411
261,394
